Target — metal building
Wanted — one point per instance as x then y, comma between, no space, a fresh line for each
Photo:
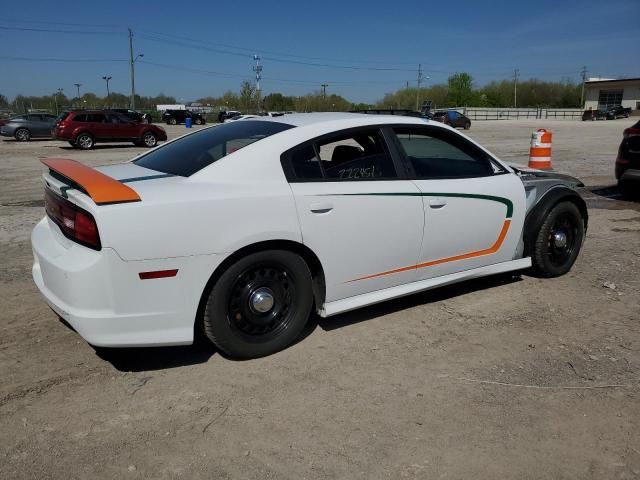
602,93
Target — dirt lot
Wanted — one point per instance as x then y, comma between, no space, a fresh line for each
497,378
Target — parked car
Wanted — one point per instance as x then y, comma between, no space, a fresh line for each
594,115
235,118
28,126
133,115
452,118
222,116
392,111
173,117
84,128
628,161
242,229
618,111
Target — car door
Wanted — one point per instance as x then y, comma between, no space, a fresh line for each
122,127
36,125
474,208
362,219
98,125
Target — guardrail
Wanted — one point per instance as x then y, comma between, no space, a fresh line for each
487,113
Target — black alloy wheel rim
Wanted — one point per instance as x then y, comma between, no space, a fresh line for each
562,240
253,284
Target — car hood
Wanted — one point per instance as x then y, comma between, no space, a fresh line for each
531,174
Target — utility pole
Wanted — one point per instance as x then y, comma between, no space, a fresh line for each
324,89
55,97
583,72
419,83
132,102
516,74
258,69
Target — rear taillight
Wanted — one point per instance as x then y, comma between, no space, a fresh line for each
74,222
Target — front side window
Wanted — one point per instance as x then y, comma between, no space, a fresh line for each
193,152
434,154
354,156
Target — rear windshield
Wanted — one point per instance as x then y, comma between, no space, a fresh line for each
192,153
62,116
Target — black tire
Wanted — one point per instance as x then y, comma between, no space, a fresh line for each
197,121
84,141
467,125
149,140
172,121
558,241
231,318
22,135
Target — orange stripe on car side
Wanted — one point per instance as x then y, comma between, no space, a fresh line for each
100,187
478,253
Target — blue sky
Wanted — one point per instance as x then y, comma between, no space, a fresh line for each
196,48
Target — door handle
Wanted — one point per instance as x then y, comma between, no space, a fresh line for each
325,207
437,202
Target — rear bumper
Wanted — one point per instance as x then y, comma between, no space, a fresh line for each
630,175
102,297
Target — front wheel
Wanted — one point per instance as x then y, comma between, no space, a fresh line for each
197,121
559,241
259,305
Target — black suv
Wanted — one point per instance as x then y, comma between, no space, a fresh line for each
173,117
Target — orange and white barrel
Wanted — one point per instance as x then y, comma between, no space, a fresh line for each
540,151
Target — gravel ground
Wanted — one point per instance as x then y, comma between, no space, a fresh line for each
496,378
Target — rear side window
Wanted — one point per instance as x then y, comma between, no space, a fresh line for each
82,117
354,156
97,118
194,152
440,154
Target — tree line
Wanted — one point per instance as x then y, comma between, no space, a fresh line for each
459,91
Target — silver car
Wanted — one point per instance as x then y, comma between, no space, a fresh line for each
31,125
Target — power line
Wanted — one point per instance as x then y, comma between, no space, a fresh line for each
49,30
72,60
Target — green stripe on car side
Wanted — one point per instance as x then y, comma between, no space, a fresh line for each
508,203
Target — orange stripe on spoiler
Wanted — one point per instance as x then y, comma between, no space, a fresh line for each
100,187
487,251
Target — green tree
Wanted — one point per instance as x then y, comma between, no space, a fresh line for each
247,97
4,101
460,89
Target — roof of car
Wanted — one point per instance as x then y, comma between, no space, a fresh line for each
304,119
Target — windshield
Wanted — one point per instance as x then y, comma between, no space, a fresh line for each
192,153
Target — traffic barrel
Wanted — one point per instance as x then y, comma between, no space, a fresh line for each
188,122
540,151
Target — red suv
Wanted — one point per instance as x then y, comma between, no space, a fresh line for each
84,128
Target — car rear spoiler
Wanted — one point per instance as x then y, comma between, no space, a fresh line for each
101,188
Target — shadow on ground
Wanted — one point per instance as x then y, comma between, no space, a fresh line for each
610,197
410,301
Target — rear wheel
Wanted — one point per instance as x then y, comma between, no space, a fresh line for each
198,121
259,305
84,141
172,121
22,135
558,241
149,140
467,125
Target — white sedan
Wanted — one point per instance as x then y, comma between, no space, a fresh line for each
239,231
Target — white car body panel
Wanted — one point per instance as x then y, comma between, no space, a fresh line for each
370,241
